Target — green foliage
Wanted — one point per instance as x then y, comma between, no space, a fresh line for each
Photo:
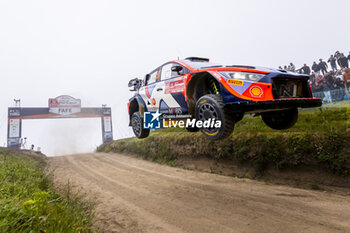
320,138
29,203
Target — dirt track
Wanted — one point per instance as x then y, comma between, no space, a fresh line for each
139,196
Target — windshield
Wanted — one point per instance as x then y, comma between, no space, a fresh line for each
201,64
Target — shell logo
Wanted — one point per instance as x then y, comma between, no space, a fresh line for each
256,91
154,101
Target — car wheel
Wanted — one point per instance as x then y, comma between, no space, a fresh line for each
280,120
238,117
212,107
192,129
137,126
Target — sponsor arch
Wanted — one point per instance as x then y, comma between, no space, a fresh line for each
63,106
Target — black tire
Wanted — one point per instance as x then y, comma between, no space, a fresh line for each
280,120
211,107
137,126
238,117
192,129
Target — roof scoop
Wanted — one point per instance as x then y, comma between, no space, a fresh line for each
242,66
197,59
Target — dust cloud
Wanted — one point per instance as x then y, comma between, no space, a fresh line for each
63,136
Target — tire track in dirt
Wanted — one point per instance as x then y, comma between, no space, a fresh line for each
292,202
156,198
141,213
139,196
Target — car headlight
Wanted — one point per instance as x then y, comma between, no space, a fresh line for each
242,76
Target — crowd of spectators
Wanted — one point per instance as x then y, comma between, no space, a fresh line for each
324,78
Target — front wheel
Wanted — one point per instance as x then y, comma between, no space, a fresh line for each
137,126
210,107
280,120
192,129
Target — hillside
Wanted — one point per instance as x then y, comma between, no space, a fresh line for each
29,202
316,150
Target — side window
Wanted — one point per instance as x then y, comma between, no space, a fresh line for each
175,74
154,77
166,71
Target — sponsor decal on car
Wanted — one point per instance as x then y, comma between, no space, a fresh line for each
235,82
154,101
256,91
174,87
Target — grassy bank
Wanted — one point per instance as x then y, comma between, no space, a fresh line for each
29,203
319,139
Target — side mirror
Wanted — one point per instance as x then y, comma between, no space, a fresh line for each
135,84
147,76
176,69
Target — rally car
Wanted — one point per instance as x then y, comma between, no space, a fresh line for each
203,90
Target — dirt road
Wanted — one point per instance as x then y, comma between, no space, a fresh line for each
139,196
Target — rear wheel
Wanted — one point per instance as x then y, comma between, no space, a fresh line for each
137,126
238,116
211,107
280,120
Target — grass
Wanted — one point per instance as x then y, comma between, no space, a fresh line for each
322,120
320,138
29,203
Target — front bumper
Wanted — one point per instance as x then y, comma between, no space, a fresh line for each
261,106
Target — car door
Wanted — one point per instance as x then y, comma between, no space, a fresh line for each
173,97
148,91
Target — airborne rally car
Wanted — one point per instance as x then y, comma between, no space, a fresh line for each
202,91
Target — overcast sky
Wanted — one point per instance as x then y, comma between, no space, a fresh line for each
91,49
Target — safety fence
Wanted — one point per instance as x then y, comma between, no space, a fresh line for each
336,96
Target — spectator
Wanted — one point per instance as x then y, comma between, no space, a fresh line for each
338,83
329,77
313,76
337,55
316,68
319,78
343,61
291,67
305,69
346,77
331,85
317,87
332,60
323,66
327,91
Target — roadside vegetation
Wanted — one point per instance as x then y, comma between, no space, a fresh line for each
29,203
319,139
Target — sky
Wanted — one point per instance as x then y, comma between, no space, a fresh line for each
91,49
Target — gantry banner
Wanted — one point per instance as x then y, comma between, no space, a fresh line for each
63,106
